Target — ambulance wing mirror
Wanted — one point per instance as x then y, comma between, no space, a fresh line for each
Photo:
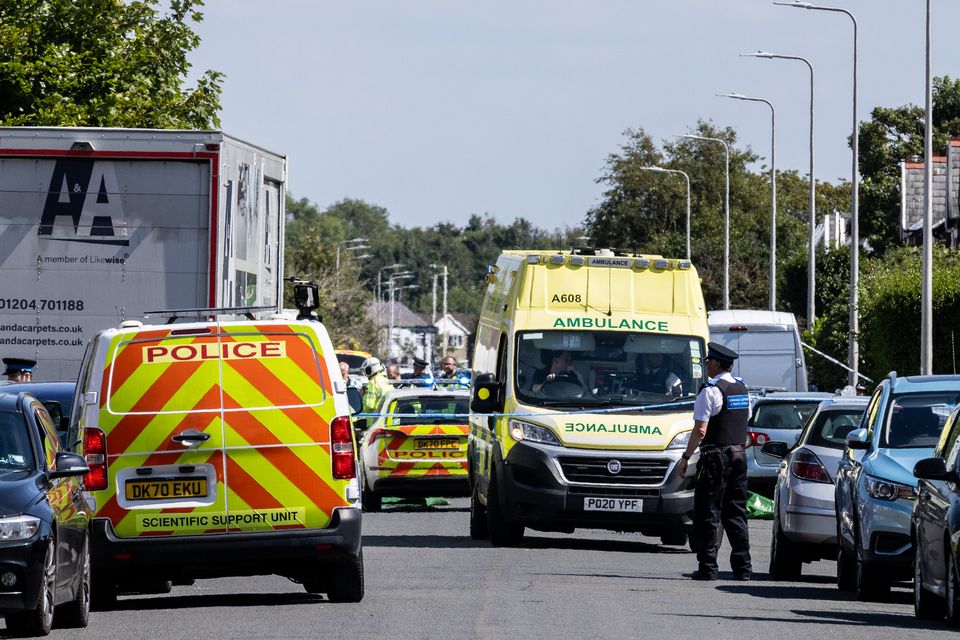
487,395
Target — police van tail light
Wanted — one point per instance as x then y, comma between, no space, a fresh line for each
756,439
807,466
344,467
95,450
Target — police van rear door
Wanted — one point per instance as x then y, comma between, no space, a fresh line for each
160,409
278,408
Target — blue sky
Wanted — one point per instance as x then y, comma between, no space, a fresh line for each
439,109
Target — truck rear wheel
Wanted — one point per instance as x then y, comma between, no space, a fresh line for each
502,532
346,584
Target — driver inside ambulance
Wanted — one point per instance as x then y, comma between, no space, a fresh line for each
561,366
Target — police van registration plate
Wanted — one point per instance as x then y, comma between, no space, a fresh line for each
612,504
166,488
436,443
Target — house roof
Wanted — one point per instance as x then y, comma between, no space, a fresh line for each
402,315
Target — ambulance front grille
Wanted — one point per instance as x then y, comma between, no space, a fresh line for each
598,470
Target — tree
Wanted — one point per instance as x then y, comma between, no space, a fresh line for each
645,211
103,63
891,136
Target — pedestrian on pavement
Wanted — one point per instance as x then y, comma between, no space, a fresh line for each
19,369
720,414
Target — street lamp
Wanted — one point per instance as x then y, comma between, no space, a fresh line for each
854,356
773,190
812,221
353,244
726,215
392,280
379,310
687,178
926,289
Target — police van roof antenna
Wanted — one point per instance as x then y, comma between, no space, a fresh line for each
172,315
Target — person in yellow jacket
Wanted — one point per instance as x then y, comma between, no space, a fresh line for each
377,385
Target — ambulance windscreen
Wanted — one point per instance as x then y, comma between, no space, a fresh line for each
554,368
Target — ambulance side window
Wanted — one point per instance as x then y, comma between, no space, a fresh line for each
502,358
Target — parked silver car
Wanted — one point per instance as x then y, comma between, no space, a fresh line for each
804,517
776,417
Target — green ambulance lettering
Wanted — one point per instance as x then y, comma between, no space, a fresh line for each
610,323
593,427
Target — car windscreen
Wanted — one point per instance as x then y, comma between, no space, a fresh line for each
916,419
583,368
786,414
449,405
353,360
830,428
15,449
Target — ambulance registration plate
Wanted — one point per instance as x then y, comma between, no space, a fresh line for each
166,488
436,443
612,504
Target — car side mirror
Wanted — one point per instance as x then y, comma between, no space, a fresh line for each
858,439
933,469
775,449
69,464
487,395
354,399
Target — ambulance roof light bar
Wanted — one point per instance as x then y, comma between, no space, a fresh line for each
172,315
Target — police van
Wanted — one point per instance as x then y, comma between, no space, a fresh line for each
594,357
219,448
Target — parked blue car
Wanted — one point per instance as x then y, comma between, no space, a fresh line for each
876,489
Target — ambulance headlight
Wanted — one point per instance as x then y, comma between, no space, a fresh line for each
18,527
520,431
680,441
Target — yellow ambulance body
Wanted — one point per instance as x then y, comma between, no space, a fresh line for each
220,448
574,346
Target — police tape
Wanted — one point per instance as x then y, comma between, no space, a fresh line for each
529,414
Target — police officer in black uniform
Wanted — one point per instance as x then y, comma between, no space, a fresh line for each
720,416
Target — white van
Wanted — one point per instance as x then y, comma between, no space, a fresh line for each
771,356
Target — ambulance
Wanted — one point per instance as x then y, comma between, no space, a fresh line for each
586,364
219,448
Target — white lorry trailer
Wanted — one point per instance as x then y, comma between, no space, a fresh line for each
98,226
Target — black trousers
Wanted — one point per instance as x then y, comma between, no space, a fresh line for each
720,497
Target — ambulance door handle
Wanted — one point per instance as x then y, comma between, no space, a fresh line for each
191,438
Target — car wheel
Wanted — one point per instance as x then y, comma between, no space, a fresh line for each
76,613
926,605
346,584
846,567
39,620
869,586
371,501
478,517
785,559
953,590
502,533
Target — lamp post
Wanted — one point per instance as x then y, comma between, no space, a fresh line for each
854,357
395,265
392,280
773,191
687,178
444,273
726,215
353,244
926,290
812,218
